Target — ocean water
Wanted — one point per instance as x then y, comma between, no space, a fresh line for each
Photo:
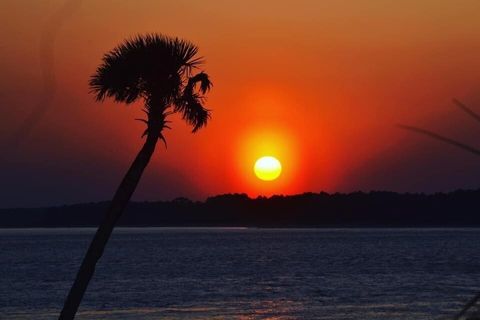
170,273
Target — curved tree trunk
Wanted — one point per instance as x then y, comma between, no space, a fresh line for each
117,206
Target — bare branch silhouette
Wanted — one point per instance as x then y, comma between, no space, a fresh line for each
467,110
441,138
47,64
465,147
467,307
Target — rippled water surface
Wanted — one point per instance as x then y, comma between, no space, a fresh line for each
156,273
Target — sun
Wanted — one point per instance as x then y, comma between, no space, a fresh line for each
267,168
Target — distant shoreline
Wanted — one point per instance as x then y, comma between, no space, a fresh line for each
458,209
193,228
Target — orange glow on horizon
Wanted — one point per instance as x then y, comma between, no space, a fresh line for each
318,85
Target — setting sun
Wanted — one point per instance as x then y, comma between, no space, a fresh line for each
267,168
288,124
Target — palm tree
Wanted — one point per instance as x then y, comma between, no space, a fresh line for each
158,70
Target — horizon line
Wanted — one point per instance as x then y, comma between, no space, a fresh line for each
244,194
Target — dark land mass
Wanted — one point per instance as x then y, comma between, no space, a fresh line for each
374,209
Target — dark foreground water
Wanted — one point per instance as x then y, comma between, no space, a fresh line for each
156,273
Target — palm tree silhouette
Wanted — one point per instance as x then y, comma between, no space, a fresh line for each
158,70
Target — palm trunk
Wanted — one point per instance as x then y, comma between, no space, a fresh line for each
97,246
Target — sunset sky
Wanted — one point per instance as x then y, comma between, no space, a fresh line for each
320,85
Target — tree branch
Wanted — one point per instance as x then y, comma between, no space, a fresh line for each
441,138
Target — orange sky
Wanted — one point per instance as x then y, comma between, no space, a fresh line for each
321,84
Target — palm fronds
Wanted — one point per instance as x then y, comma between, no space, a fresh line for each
157,69
190,102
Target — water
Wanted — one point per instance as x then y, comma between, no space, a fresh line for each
158,273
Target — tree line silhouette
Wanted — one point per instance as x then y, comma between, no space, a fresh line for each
359,209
